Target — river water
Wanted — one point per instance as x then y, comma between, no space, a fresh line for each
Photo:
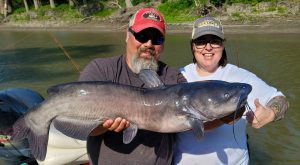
39,59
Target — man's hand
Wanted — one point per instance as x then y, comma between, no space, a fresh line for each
116,125
261,116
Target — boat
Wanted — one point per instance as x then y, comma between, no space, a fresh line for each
14,102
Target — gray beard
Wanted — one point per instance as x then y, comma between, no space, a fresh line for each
139,64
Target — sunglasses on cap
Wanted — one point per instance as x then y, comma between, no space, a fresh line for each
143,37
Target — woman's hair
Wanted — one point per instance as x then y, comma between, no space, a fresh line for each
223,61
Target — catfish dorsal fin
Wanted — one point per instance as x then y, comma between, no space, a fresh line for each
56,88
61,87
72,86
150,78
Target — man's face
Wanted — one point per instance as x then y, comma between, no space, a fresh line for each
143,49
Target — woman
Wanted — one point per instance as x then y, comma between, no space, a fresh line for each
221,145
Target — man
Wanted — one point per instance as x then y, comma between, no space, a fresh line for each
144,44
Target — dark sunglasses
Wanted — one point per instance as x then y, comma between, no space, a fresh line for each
214,43
143,37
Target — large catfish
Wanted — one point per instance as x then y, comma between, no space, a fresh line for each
77,108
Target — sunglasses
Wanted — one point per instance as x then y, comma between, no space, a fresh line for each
214,43
143,37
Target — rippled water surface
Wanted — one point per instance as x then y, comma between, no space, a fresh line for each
39,59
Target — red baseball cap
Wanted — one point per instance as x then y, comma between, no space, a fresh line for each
146,18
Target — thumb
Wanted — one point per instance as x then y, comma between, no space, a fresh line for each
257,103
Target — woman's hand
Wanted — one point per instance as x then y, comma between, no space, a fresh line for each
261,116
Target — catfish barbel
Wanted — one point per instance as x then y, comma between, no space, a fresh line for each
77,108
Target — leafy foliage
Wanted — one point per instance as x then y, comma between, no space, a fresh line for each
19,10
253,2
104,13
173,10
177,11
136,2
217,3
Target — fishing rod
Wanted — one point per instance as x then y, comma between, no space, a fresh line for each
237,55
74,64
2,145
60,45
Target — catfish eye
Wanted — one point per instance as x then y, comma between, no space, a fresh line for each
226,95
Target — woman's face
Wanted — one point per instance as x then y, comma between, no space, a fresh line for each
208,51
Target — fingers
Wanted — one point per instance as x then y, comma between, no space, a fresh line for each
250,116
255,119
101,128
107,123
116,125
257,103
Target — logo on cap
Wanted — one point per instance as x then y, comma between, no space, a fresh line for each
208,23
151,15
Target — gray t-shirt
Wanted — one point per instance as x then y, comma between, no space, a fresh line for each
147,148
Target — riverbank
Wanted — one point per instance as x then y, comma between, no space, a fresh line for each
264,17
289,24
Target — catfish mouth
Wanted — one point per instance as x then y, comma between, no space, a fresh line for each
246,89
242,103
237,114
240,109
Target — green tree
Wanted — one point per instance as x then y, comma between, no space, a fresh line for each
5,7
128,3
2,7
26,5
37,4
52,4
71,3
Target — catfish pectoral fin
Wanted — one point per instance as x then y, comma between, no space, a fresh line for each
78,128
129,133
197,127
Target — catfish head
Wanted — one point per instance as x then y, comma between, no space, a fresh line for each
214,99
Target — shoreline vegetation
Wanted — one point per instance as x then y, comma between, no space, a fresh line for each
270,16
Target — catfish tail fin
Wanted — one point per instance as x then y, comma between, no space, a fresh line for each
38,140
